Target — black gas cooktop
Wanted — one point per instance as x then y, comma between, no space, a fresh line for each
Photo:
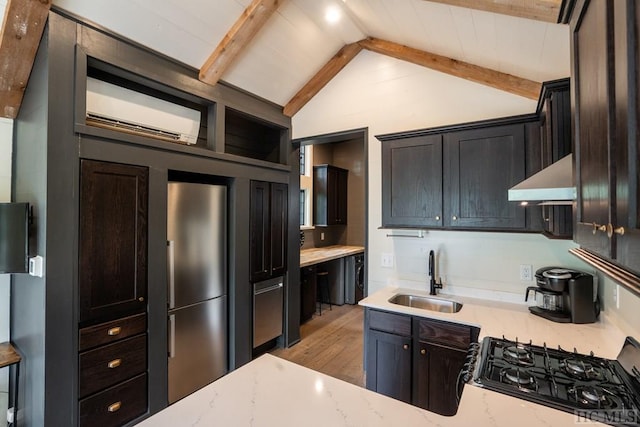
593,388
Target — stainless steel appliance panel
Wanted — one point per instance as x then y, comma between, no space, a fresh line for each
197,346
268,305
197,242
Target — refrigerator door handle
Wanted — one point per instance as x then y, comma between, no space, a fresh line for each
171,273
172,336
269,289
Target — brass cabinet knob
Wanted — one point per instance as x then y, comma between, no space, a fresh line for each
141,299
598,227
114,331
406,346
423,352
619,231
114,407
437,217
114,363
455,218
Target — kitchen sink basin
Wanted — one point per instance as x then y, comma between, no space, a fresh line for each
427,303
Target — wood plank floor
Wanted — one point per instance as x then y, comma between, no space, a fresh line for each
331,344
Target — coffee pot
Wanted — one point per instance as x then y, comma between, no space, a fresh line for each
564,295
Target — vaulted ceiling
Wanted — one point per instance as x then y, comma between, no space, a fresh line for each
279,49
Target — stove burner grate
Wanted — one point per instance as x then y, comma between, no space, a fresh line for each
581,369
518,355
518,377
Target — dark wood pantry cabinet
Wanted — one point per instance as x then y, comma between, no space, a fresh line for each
268,230
113,240
605,89
416,360
329,195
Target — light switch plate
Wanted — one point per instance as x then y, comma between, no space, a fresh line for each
386,260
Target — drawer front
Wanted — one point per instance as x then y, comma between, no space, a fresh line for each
109,332
449,334
110,364
389,322
116,405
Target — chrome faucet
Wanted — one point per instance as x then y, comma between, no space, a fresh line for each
433,285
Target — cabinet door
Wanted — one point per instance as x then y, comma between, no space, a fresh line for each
259,227
627,109
389,365
593,122
481,166
436,377
113,239
340,200
279,204
307,293
412,182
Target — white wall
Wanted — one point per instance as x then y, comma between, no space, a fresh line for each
388,95
6,135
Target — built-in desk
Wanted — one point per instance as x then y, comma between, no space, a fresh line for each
317,255
309,258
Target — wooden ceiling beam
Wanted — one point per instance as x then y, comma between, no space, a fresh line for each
540,10
322,77
22,28
237,38
496,79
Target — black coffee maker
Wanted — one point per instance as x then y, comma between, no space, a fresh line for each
565,296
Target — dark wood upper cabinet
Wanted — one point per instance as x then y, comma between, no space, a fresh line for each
268,230
329,195
605,71
412,182
113,240
480,166
627,110
592,72
554,108
457,177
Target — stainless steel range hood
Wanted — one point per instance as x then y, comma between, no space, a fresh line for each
553,185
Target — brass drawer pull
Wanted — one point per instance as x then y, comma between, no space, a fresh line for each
114,363
114,407
114,331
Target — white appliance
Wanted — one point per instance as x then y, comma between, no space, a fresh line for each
113,106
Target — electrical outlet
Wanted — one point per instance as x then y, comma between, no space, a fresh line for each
526,272
10,416
321,236
616,296
386,261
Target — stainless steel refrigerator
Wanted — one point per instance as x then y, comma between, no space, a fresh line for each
197,286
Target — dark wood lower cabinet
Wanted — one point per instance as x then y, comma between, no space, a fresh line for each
416,360
389,365
307,292
117,405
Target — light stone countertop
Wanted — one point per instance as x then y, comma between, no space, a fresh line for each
313,256
270,391
496,319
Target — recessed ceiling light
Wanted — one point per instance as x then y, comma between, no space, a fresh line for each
332,15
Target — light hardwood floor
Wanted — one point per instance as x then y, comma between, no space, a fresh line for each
331,344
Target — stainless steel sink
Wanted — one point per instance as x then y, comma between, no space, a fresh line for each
427,303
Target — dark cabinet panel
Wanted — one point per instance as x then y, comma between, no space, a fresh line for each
307,293
594,123
329,195
412,182
436,377
627,110
113,239
117,405
555,117
389,369
267,230
480,166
